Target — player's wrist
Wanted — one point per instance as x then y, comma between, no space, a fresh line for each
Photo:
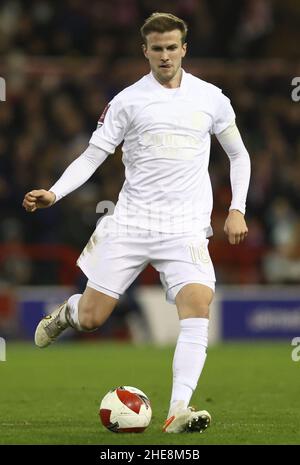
53,197
235,210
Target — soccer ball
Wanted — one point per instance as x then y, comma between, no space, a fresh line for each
125,409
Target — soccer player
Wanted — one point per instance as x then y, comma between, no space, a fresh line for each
163,212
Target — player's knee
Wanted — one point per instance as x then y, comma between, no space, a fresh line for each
193,301
197,311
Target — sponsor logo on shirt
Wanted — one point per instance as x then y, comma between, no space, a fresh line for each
168,145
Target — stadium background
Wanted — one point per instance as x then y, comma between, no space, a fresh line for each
62,62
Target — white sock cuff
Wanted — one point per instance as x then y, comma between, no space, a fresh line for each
194,330
73,311
194,323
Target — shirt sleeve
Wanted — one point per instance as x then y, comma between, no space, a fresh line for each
232,143
79,171
112,126
224,114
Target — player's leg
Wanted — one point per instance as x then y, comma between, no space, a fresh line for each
111,260
192,302
188,277
84,312
90,310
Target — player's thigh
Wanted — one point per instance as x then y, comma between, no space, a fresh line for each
96,305
187,273
113,258
193,301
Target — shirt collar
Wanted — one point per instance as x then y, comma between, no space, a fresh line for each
181,89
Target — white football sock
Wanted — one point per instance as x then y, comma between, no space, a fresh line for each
189,359
72,312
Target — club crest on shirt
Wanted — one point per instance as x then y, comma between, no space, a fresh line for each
102,116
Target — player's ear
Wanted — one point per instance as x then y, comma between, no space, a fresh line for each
145,52
184,48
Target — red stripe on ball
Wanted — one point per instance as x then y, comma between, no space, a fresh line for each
132,401
105,416
131,430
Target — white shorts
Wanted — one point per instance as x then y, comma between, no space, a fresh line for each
116,254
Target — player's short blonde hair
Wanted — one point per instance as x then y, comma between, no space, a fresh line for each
163,22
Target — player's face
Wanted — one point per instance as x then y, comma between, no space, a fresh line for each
165,52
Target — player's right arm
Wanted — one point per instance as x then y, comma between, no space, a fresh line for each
77,173
110,132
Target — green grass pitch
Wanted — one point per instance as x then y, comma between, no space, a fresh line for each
52,396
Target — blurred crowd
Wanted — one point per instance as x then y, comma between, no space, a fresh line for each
63,61
227,28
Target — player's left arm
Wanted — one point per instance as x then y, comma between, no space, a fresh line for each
235,225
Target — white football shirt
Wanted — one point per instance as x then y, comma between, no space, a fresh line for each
166,150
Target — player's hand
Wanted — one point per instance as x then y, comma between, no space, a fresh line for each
235,227
38,199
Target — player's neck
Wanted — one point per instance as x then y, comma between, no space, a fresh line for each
173,83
